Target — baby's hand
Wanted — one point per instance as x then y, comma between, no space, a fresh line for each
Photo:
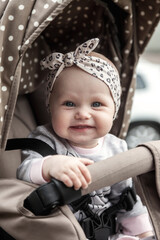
71,171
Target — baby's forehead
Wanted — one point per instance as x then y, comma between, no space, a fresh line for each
76,80
72,71
77,76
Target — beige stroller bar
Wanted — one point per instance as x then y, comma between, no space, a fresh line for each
122,166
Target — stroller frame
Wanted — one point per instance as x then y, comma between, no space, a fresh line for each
122,45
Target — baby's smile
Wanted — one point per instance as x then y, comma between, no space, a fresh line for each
81,127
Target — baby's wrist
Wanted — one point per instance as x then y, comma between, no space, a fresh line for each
46,169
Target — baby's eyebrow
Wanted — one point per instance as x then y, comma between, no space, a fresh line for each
67,96
99,96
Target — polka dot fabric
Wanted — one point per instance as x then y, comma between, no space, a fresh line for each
30,30
20,29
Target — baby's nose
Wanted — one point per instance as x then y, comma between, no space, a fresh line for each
82,113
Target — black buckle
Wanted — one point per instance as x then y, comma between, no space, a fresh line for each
96,227
100,227
127,199
48,196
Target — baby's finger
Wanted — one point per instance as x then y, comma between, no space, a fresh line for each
66,180
75,177
83,182
86,161
85,172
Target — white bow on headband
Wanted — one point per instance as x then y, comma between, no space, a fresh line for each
95,66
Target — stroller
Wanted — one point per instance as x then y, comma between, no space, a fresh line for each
30,30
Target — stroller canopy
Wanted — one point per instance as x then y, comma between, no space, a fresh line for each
30,30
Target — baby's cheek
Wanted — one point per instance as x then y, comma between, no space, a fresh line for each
60,128
104,126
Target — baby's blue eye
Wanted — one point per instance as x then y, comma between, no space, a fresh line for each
96,104
69,104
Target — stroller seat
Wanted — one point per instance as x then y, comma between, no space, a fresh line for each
28,32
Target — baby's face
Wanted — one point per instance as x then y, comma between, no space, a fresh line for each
82,108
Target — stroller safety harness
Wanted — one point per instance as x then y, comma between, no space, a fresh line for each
50,195
97,226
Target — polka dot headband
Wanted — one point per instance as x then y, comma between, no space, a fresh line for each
95,66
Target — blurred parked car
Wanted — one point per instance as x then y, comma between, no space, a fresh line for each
145,115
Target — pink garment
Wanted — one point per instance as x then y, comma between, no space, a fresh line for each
136,225
128,238
36,171
89,151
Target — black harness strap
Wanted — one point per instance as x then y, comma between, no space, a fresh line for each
34,144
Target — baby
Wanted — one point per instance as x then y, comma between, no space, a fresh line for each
83,97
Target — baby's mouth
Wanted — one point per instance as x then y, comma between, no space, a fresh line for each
81,127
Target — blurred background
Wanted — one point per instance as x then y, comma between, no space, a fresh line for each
145,115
